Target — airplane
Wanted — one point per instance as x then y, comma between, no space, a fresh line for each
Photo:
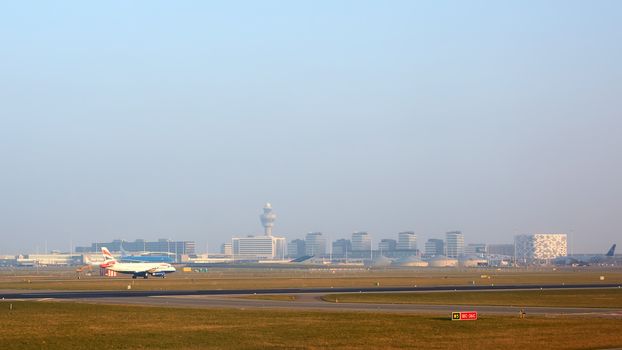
143,270
586,260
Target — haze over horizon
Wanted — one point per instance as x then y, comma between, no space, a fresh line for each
180,120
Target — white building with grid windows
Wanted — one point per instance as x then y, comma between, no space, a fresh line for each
540,248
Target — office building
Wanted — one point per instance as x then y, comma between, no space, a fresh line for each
475,249
387,245
454,244
259,247
501,249
540,248
361,241
315,244
341,248
434,247
226,249
296,248
406,241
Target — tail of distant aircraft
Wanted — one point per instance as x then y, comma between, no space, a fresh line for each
107,255
611,251
123,251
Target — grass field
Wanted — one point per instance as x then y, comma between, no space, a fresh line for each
51,325
275,278
568,298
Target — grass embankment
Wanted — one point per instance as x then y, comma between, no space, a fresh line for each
69,326
561,298
264,279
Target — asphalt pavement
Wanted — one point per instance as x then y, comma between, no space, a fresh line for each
308,299
150,293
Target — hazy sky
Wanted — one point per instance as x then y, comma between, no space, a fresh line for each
179,120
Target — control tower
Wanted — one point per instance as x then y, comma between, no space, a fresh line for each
267,219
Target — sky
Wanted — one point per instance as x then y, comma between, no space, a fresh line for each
179,120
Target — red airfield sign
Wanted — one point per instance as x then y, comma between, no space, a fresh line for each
464,316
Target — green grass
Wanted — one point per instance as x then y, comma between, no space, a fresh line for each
569,298
53,325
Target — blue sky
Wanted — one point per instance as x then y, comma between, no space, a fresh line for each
179,120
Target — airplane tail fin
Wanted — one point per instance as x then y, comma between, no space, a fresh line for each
123,251
107,255
611,251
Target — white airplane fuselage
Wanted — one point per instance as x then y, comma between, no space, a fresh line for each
136,269
140,269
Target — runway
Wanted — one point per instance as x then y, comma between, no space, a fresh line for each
308,299
151,293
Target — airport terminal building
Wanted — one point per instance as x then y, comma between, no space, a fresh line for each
141,245
179,248
259,247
